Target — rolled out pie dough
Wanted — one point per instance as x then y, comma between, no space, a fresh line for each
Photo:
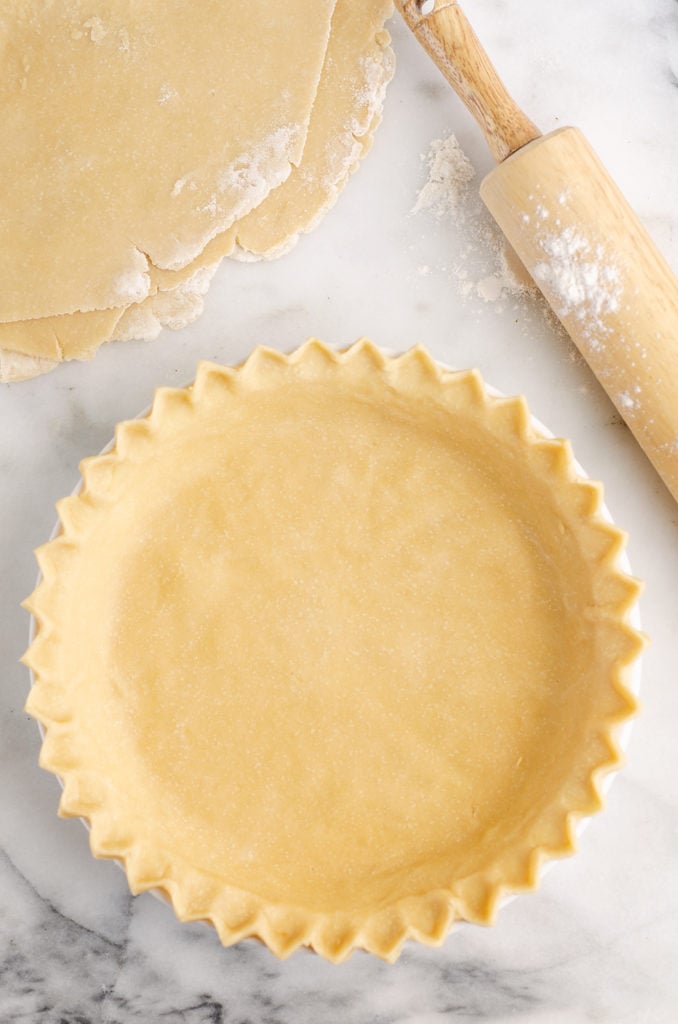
79,335
357,67
347,109
153,127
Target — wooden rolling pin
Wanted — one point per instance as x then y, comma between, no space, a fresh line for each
577,236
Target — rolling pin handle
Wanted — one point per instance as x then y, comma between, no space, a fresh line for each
443,30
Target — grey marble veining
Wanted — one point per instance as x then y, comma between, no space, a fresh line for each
42,953
598,942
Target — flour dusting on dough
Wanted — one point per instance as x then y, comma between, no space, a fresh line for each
245,174
97,29
375,74
182,183
357,91
241,187
174,308
131,287
167,93
247,180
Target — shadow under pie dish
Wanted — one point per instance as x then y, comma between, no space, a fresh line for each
332,649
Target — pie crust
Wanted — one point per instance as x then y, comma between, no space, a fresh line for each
332,649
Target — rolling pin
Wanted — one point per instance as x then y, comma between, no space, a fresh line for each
576,235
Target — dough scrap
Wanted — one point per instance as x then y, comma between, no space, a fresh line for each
137,127
15,366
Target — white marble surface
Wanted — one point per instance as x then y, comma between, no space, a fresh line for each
598,942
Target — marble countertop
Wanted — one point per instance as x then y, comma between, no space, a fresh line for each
599,941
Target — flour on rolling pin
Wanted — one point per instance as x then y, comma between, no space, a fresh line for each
600,272
582,275
587,282
584,281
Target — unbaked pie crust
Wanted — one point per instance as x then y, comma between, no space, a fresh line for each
332,649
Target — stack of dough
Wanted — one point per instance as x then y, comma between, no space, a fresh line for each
145,143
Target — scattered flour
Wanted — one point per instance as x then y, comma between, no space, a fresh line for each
485,268
473,253
509,276
449,172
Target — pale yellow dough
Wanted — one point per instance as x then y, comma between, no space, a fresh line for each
149,128
331,649
358,65
347,109
79,335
